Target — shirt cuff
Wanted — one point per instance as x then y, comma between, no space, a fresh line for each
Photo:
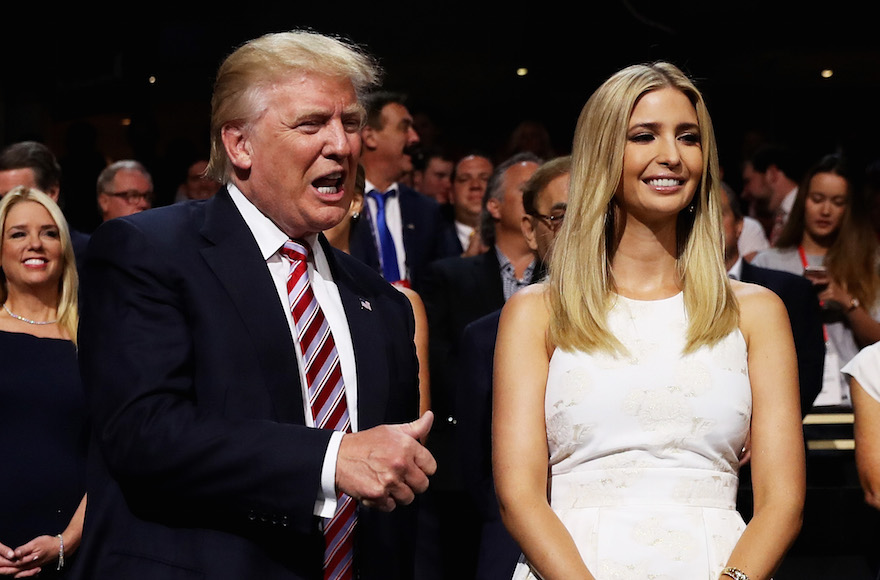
325,504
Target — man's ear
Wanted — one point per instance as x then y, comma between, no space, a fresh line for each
368,137
738,228
103,202
54,192
493,206
528,230
772,175
237,146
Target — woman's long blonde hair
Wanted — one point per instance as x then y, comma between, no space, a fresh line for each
582,289
68,310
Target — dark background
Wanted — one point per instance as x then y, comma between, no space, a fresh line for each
758,64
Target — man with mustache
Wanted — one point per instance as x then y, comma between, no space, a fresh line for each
404,230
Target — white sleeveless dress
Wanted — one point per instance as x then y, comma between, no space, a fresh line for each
644,448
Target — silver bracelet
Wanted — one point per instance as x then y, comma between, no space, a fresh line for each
60,552
734,573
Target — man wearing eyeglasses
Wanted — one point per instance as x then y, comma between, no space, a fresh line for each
457,291
545,198
124,188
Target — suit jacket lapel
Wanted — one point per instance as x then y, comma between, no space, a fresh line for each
235,259
411,224
364,323
408,217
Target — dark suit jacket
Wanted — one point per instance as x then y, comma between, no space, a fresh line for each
498,552
202,466
802,304
80,242
424,237
456,292
449,229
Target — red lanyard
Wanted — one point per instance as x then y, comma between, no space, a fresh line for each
803,256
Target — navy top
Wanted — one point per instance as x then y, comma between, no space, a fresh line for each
43,433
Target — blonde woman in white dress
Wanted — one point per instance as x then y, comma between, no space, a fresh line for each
630,386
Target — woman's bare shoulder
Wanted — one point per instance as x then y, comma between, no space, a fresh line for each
527,310
530,298
758,305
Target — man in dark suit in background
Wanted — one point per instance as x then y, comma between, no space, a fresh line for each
470,179
403,232
457,291
796,292
545,199
218,453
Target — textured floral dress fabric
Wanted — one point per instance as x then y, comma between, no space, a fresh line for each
645,447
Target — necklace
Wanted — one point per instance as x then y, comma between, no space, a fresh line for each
28,320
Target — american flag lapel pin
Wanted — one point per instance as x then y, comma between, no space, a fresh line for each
365,305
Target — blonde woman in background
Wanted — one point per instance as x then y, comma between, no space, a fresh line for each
43,425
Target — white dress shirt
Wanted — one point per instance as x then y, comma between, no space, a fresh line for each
753,238
464,233
270,239
735,271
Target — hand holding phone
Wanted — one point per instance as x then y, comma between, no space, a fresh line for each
818,275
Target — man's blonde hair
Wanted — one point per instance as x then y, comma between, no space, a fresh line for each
257,65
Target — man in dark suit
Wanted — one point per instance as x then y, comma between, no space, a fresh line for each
432,173
545,199
403,232
470,178
457,291
211,456
796,292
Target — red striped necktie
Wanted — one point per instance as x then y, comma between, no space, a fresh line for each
326,392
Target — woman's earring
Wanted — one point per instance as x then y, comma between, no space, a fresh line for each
355,216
